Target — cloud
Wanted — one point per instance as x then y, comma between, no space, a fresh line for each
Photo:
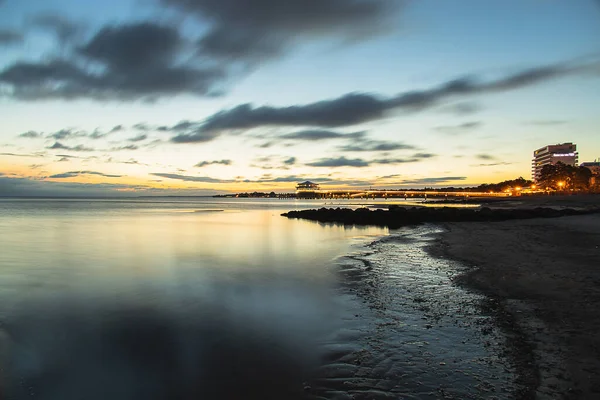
195,136
23,155
189,178
290,161
31,135
80,147
415,158
138,138
116,128
358,162
358,108
216,162
66,134
120,62
376,145
127,147
462,108
458,129
73,174
485,157
339,162
259,30
318,134
10,37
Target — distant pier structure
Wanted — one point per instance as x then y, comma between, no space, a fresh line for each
311,190
307,190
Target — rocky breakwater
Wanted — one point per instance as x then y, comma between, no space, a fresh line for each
397,216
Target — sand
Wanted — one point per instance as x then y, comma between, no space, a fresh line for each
542,279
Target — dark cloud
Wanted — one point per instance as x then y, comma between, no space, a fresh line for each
195,136
424,155
319,134
376,145
358,162
31,135
97,134
189,178
415,158
485,157
339,162
10,37
138,138
460,128
63,28
290,161
347,110
357,108
73,174
58,145
116,128
121,62
128,147
216,162
66,134
255,31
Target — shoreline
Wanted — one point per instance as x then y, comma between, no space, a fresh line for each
543,288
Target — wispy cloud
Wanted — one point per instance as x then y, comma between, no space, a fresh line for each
60,146
31,135
339,162
189,178
73,174
460,128
375,145
358,108
215,162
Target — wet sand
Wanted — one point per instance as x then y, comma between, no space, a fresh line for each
542,281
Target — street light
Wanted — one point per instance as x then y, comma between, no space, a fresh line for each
561,184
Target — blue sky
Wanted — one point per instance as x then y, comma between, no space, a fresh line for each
72,71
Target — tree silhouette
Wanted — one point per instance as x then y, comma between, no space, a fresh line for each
561,176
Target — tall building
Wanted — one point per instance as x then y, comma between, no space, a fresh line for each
565,153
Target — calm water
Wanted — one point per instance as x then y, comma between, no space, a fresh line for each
223,299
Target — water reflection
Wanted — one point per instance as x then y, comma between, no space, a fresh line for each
109,300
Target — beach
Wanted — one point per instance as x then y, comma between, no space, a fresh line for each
542,279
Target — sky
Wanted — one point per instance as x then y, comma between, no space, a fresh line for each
198,97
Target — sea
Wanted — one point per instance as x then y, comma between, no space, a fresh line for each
224,298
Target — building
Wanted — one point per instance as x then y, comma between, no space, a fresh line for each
565,153
307,186
307,189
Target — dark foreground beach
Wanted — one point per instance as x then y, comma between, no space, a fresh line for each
540,275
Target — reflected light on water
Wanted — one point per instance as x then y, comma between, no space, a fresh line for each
117,301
